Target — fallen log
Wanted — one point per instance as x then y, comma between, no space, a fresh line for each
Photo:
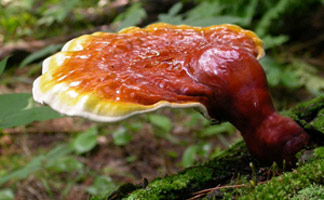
236,167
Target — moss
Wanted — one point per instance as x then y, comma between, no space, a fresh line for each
204,175
97,198
236,160
310,115
313,192
318,122
291,184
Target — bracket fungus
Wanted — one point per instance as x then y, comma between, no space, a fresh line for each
108,77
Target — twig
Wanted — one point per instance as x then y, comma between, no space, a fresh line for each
306,44
35,45
203,192
24,146
35,130
30,188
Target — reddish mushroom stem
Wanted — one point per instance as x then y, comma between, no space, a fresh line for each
240,95
110,76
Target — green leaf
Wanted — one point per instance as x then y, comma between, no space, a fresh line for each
121,136
133,126
19,110
40,54
217,129
161,121
224,19
272,14
38,163
66,9
85,141
308,76
57,153
216,152
205,10
274,41
6,194
33,166
102,185
3,64
175,9
13,103
197,118
27,116
172,154
57,13
279,74
189,156
204,149
249,12
131,159
272,69
66,164
131,17
290,80
170,19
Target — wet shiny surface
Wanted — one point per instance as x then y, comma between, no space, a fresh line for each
146,66
216,67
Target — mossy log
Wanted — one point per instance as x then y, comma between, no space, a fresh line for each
236,166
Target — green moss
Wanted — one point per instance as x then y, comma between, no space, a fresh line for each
291,184
310,115
318,122
235,160
313,192
231,161
307,109
97,198
207,174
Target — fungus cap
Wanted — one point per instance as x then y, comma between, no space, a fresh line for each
110,76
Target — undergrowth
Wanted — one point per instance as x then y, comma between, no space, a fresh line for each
23,21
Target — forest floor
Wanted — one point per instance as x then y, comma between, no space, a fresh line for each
36,160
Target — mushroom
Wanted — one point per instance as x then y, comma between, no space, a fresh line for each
108,77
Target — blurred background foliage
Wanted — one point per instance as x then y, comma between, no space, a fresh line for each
44,155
